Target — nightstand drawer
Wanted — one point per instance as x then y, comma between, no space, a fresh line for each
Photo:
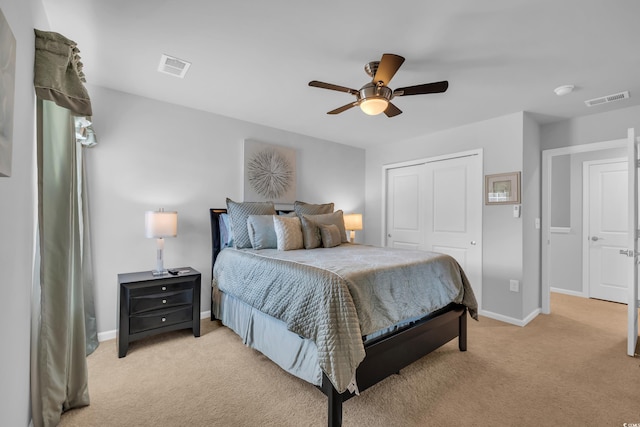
170,285
160,318
143,303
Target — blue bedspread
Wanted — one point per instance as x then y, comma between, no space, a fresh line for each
334,296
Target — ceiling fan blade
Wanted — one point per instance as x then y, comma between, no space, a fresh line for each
392,110
387,68
343,108
436,87
330,86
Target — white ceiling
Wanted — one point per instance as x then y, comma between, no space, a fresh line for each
253,59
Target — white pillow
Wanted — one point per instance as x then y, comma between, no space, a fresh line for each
288,232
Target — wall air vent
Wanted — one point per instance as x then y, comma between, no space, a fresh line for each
607,99
173,66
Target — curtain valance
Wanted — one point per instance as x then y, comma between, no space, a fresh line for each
58,75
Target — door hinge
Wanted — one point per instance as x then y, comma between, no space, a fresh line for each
637,163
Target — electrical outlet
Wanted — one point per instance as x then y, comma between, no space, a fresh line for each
514,286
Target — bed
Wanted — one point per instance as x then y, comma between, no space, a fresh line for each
326,332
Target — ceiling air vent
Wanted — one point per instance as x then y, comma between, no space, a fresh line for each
607,99
173,66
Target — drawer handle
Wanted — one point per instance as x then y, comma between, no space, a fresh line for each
164,288
164,301
164,319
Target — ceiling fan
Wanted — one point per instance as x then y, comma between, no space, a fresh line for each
375,97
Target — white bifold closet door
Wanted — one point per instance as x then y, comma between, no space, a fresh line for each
437,206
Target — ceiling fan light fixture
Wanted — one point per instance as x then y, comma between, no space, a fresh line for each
375,96
374,106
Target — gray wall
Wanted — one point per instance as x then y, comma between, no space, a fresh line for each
17,222
152,154
561,191
531,210
565,270
596,127
502,142
565,249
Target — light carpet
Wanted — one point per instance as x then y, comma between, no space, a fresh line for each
569,368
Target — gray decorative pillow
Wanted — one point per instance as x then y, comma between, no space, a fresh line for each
288,232
239,213
302,208
330,235
335,218
310,233
262,232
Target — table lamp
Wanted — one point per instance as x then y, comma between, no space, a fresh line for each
353,222
158,225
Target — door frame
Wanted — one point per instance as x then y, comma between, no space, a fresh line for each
547,157
586,216
633,303
415,162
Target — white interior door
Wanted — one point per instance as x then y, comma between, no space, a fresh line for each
437,206
454,221
608,229
631,254
405,207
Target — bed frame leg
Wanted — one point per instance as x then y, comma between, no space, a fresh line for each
462,335
334,405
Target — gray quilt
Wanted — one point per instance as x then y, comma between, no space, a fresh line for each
337,295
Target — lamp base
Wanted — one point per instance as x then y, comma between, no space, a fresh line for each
160,270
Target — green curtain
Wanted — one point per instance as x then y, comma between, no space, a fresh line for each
66,328
58,75
66,284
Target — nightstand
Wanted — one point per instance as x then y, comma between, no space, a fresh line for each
150,305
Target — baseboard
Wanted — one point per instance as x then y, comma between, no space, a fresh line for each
567,292
111,335
106,335
532,316
511,320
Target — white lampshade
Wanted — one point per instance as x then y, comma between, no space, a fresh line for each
159,224
353,221
373,106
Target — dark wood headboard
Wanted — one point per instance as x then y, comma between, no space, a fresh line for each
216,245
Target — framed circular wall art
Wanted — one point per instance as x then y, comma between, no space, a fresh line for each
269,173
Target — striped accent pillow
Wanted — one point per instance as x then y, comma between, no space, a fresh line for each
288,233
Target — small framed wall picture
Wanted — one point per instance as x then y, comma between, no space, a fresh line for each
502,188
